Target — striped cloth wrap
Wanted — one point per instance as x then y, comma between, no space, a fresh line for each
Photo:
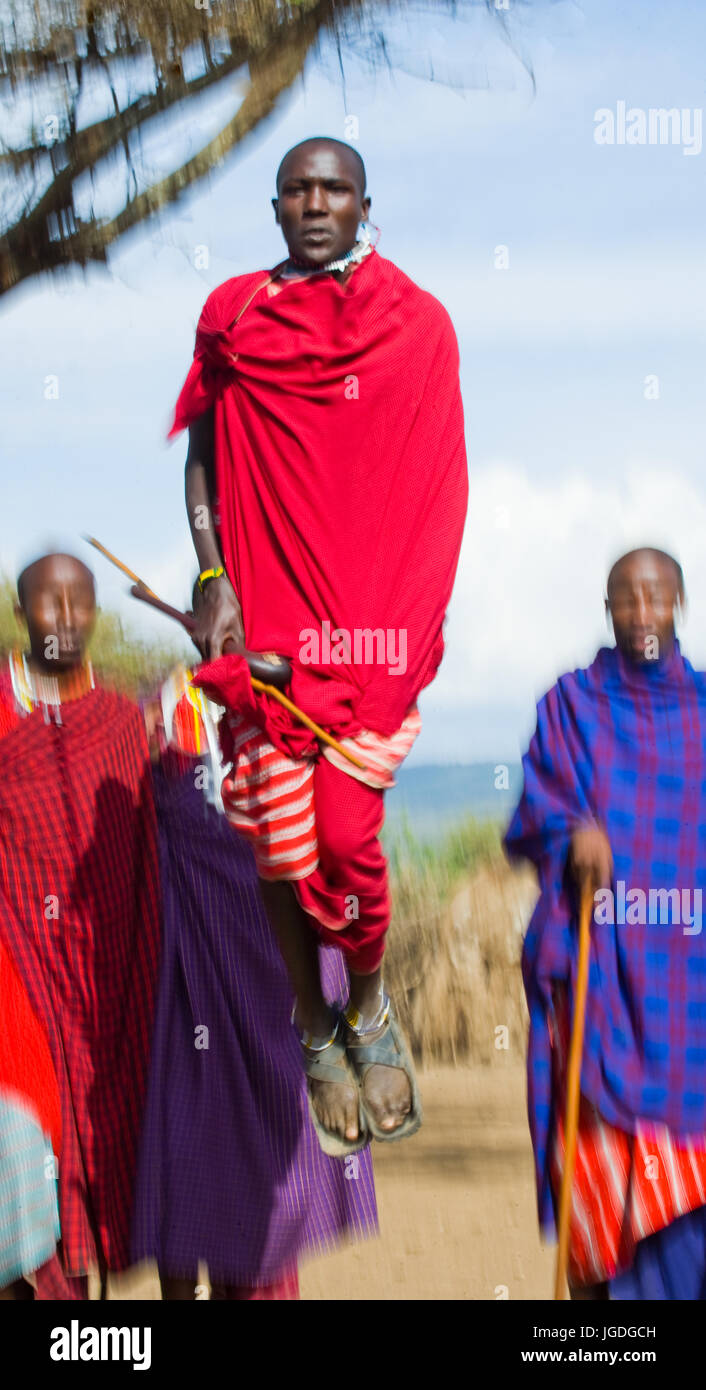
269,798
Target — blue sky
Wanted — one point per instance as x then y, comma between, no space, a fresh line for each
569,463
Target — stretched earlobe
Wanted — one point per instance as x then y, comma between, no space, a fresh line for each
368,231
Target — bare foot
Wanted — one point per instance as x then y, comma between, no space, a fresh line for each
335,1102
387,1092
336,1106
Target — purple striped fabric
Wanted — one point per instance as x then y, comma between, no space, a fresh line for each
230,1169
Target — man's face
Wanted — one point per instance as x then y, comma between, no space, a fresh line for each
641,602
320,203
59,608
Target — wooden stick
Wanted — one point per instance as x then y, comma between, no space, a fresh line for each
187,622
115,561
573,1089
268,689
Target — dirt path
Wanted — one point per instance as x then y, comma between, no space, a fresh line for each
457,1213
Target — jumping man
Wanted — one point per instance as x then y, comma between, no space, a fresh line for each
326,489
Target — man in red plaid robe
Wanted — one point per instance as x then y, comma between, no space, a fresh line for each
79,908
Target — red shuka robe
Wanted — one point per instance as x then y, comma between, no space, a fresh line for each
341,480
79,919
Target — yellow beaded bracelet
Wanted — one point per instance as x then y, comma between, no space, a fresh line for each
205,575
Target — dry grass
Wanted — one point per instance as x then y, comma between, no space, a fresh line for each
453,959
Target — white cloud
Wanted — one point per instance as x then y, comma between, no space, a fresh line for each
528,598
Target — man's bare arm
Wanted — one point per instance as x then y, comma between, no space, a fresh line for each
220,618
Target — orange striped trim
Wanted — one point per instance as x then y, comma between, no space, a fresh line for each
626,1186
269,798
381,753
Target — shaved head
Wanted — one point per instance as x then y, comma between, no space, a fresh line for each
345,152
661,557
321,200
57,604
36,573
645,589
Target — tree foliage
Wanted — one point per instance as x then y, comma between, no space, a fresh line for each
81,82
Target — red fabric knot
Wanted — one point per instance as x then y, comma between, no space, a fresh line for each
226,681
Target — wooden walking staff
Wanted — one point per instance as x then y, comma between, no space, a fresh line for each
119,564
573,1089
141,591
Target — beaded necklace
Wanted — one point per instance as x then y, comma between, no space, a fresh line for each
357,253
31,689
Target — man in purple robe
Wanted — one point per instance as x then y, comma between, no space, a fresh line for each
615,800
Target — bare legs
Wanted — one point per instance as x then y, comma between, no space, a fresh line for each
299,946
187,1290
336,1104
177,1290
586,1293
387,1089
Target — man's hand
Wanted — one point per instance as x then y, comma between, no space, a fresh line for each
591,857
219,619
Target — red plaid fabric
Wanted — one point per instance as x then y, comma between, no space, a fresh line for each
79,916
53,1286
285,1289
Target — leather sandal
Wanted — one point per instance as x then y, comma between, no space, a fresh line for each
330,1063
388,1050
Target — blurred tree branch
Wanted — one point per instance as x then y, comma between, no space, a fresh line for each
50,50
271,39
